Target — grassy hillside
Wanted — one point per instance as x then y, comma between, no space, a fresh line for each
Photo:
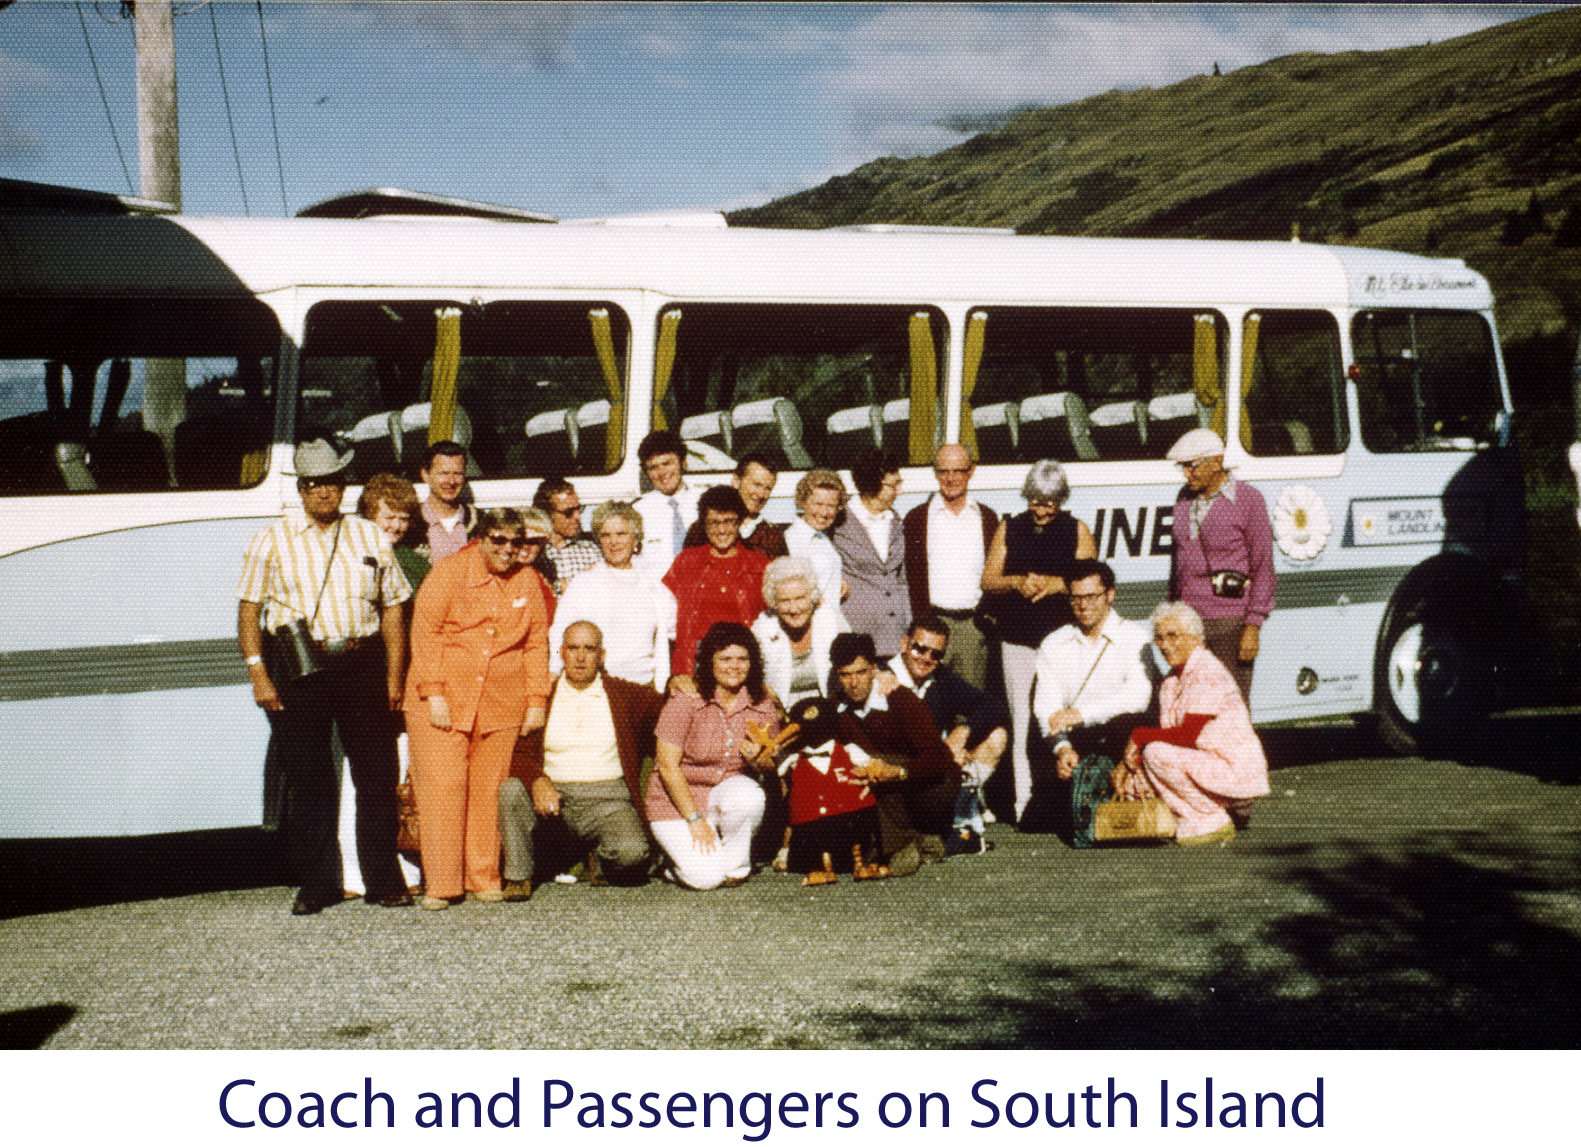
1469,148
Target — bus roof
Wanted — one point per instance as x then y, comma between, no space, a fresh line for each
175,256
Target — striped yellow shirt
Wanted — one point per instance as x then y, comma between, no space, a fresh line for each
286,563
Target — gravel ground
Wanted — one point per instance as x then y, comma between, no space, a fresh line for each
1374,903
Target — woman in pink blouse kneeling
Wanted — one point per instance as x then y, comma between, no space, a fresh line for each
1205,761
703,806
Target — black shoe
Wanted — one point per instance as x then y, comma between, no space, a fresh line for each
397,899
312,903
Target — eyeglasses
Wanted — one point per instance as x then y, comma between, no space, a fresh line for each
320,483
568,512
1188,467
1088,598
1043,503
509,541
920,650
955,470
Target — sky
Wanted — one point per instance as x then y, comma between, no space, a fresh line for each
586,110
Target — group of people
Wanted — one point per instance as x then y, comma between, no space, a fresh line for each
823,692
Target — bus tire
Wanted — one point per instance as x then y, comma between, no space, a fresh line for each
1432,684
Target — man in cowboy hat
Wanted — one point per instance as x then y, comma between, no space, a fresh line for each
1223,563
334,580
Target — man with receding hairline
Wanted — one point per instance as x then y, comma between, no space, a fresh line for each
947,541
585,766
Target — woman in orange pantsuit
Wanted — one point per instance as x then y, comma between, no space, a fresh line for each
479,678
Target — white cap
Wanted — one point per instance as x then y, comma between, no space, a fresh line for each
1195,444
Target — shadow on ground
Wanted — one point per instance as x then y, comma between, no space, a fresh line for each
57,875
30,1028
1441,942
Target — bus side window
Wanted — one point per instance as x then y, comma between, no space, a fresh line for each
1296,399
805,385
531,389
1089,383
98,395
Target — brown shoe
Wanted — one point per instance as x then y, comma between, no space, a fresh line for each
490,896
824,875
517,890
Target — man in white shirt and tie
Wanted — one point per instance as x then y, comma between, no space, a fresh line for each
670,507
1094,678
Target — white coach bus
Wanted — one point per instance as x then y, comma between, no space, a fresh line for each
154,372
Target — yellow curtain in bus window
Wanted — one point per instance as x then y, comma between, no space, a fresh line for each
924,389
1248,374
976,330
663,364
1205,369
447,361
604,344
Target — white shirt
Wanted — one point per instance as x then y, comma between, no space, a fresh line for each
1120,681
658,541
635,614
897,666
805,542
955,555
579,740
876,525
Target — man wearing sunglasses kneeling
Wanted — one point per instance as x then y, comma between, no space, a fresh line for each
975,724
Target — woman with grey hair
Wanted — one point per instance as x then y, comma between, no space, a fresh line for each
796,632
1024,590
1204,758
635,613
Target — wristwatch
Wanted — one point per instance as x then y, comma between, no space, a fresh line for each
694,818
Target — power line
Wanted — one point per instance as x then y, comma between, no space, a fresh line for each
83,20
226,92
269,83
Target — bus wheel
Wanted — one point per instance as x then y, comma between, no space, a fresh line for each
1431,691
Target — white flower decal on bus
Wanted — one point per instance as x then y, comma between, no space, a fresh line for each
1301,523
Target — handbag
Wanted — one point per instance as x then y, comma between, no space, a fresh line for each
407,838
1089,786
1138,820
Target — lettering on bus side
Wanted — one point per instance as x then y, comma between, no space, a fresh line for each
1382,286
1132,532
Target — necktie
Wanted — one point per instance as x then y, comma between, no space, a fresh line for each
677,528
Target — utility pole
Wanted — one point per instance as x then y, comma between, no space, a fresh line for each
159,166
158,136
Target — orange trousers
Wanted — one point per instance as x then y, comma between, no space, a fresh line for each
457,777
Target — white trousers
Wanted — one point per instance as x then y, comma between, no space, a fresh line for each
1021,668
352,875
735,809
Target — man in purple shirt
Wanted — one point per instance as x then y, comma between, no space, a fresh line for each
1224,554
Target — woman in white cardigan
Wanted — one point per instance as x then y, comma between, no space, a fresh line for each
794,635
635,614
796,632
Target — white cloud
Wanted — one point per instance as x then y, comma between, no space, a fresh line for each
23,85
514,38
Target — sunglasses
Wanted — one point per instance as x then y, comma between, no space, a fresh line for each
920,650
509,541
